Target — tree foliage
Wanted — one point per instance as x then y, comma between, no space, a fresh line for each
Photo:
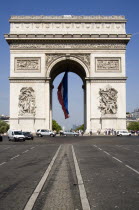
55,126
3,127
80,128
134,126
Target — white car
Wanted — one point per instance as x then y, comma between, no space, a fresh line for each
44,132
15,135
123,133
69,133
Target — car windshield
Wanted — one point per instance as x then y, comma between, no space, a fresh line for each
26,133
18,133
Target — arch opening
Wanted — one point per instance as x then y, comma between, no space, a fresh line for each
76,94
68,65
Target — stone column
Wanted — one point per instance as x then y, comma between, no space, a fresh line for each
47,105
88,102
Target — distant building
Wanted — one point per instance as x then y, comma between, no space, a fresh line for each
133,116
135,113
5,118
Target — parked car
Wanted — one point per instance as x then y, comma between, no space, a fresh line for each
28,135
123,133
15,135
1,138
69,133
44,132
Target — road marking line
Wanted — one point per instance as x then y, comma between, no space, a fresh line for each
122,161
95,145
14,157
99,148
32,147
39,187
132,169
117,159
6,148
106,152
118,146
83,196
2,163
126,148
25,151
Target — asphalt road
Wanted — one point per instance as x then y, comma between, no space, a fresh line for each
74,173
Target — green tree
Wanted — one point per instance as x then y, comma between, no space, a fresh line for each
3,127
80,128
133,126
55,126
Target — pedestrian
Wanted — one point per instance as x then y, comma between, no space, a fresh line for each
1,137
90,133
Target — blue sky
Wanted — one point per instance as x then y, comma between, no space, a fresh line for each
89,7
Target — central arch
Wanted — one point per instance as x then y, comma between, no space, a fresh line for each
73,65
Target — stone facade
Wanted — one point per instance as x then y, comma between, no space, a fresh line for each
95,45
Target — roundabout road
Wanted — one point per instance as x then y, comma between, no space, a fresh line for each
70,173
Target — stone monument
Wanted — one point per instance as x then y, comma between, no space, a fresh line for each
93,47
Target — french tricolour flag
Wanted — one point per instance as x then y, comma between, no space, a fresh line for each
62,94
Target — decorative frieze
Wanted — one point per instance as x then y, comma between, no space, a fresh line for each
108,100
26,103
108,64
85,58
74,28
47,46
27,64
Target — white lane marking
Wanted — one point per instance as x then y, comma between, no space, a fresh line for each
6,148
32,147
132,169
95,146
14,157
2,163
117,159
39,187
125,148
123,163
99,148
107,153
25,151
83,196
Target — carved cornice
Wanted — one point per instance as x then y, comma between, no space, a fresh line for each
66,18
66,36
29,79
27,118
106,79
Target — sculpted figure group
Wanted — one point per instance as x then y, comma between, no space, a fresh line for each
108,100
26,101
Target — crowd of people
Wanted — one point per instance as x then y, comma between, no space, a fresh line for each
108,131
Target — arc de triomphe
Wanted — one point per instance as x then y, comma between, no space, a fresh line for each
93,47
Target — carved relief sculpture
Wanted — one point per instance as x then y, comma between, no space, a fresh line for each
108,64
27,101
27,64
108,100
